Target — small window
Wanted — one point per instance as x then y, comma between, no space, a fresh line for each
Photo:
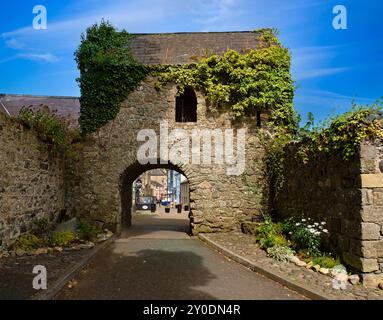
186,106
259,121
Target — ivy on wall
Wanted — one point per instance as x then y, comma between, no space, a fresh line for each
254,81
343,134
340,135
108,74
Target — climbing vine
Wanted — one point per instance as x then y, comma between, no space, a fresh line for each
254,81
108,73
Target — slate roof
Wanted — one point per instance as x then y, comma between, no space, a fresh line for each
180,48
65,106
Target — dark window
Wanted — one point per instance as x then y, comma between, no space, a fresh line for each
259,123
186,106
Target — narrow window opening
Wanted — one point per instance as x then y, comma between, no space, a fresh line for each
186,106
259,122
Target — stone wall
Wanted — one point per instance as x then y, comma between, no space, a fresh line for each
31,183
348,195
106,166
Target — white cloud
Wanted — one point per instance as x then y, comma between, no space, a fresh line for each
329,99
314,62
44,57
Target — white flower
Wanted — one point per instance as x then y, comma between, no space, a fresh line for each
323,223
297,224
316,224
304,220
317,233
325,230
290,233
309,226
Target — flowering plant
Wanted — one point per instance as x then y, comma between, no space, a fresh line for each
306,234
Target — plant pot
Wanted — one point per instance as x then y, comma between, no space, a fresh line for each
167,210
186,208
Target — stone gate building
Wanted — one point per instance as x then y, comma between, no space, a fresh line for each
107,161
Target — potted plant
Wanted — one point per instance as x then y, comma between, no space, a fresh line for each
167,209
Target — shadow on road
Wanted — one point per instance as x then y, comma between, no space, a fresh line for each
143,275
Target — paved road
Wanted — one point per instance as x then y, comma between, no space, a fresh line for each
157,260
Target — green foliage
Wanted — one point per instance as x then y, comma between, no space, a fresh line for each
304,239
51,128
41,227
326,261
275,157
27,242
62,238
268,36
87,230
257,80
269,234
280,253
109,73
342,134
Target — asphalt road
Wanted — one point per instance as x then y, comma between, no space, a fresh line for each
157,260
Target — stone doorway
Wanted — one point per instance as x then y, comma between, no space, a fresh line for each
146,221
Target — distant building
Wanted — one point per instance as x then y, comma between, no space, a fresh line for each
184,191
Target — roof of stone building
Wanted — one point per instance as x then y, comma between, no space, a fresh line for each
181,48
65,106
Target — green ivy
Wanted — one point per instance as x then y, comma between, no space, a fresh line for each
342,134
256,80
108,74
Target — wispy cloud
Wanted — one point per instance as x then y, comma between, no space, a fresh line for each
335,101
215,11
314,62
44,57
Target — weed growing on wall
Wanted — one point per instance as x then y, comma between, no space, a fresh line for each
339,135
52,129
343,134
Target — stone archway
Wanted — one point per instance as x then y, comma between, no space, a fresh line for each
130,174
107,161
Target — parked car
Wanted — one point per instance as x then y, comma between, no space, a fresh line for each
146,203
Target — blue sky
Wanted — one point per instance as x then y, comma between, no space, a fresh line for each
331,67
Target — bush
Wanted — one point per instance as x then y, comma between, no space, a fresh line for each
326,261
87,231
50,128
280,253
27,242
270,234
62,238
306,235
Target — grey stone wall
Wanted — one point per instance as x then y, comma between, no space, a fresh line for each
106,165
348,195
31,183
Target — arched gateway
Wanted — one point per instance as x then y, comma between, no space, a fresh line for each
223,192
